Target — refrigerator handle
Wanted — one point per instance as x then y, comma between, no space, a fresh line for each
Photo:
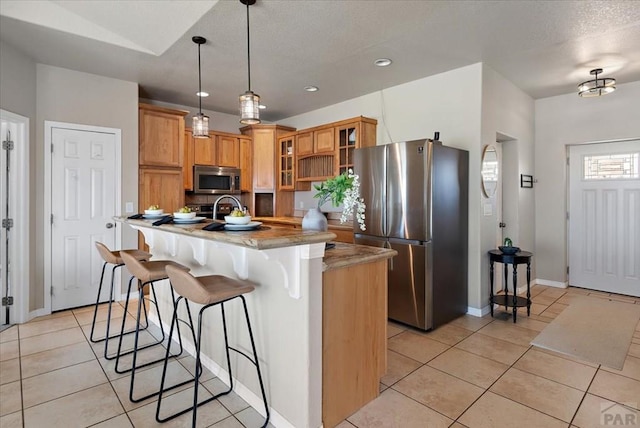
387,244
429,188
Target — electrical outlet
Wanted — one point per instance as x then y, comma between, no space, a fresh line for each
301,205
128,207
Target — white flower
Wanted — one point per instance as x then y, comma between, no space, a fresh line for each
352,199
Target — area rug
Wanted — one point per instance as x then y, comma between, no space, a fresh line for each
592,329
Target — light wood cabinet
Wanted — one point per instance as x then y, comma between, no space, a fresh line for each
266,199
323,141
246,165
285,160
304,143
330,150
187,165
160,186
354,300
204,151
228,148
221,149
161,136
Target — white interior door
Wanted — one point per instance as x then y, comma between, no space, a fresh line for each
604,217
83,202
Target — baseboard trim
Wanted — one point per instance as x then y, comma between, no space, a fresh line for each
275,418
478,312
37,313
548,283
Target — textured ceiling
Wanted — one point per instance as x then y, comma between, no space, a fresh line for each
544,47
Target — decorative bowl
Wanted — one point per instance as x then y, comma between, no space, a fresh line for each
154,212
509,250
237,220
184,215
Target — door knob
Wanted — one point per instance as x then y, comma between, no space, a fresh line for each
502,224
109,225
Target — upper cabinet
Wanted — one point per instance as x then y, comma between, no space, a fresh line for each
161,136
246,165
220,149
326,151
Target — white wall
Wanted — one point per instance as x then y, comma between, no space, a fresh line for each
18,95
560,121
87,99
449,103
508,111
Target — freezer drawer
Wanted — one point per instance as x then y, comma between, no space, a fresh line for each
410,285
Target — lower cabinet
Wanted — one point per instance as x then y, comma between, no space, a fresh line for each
159,186
354,300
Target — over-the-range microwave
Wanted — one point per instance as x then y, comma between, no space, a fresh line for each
216,180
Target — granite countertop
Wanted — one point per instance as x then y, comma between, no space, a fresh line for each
297,221
344,255
261,239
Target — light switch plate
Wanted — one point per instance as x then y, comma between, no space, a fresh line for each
128,207
487,209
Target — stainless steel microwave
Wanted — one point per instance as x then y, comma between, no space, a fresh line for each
216,180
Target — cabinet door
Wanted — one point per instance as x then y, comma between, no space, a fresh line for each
264,159
348,137
323,141
204,151
160,138
304,144
285,163
163,187
187,165
228,151
246,165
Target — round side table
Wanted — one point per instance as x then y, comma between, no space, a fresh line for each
521,257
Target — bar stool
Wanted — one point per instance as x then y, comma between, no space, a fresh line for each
146,273
209,291
113,258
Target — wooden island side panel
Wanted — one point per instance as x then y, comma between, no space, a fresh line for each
354,338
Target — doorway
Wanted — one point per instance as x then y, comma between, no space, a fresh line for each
14,212
82,166
604,217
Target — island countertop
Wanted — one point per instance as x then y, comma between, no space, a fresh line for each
297,221
260,239
344,255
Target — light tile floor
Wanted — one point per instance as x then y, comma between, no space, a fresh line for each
473,372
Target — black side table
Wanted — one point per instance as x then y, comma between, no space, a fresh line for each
520,257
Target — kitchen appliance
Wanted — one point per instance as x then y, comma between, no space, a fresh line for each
416,194
213,180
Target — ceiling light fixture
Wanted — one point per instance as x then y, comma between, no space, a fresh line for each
200,124
311,88
249,102
596,87
202,94
382,62
262,106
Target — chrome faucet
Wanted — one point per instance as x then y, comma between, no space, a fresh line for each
215,204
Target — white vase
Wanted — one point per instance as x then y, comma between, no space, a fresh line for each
314,219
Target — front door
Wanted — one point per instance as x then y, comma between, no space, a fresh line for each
83,202
604,217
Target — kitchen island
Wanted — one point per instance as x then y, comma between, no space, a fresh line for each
319,317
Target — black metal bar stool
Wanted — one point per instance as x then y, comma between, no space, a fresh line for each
113,258
146,273
209,291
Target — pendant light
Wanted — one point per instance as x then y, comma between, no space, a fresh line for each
596,87
200,124
249,102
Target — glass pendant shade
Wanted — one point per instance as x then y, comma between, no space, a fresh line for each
249,108
597,87
200,126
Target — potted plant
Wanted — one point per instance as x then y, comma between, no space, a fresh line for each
343,189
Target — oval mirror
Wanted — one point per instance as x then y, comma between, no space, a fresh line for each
489,171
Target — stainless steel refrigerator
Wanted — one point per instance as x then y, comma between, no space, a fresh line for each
416,194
